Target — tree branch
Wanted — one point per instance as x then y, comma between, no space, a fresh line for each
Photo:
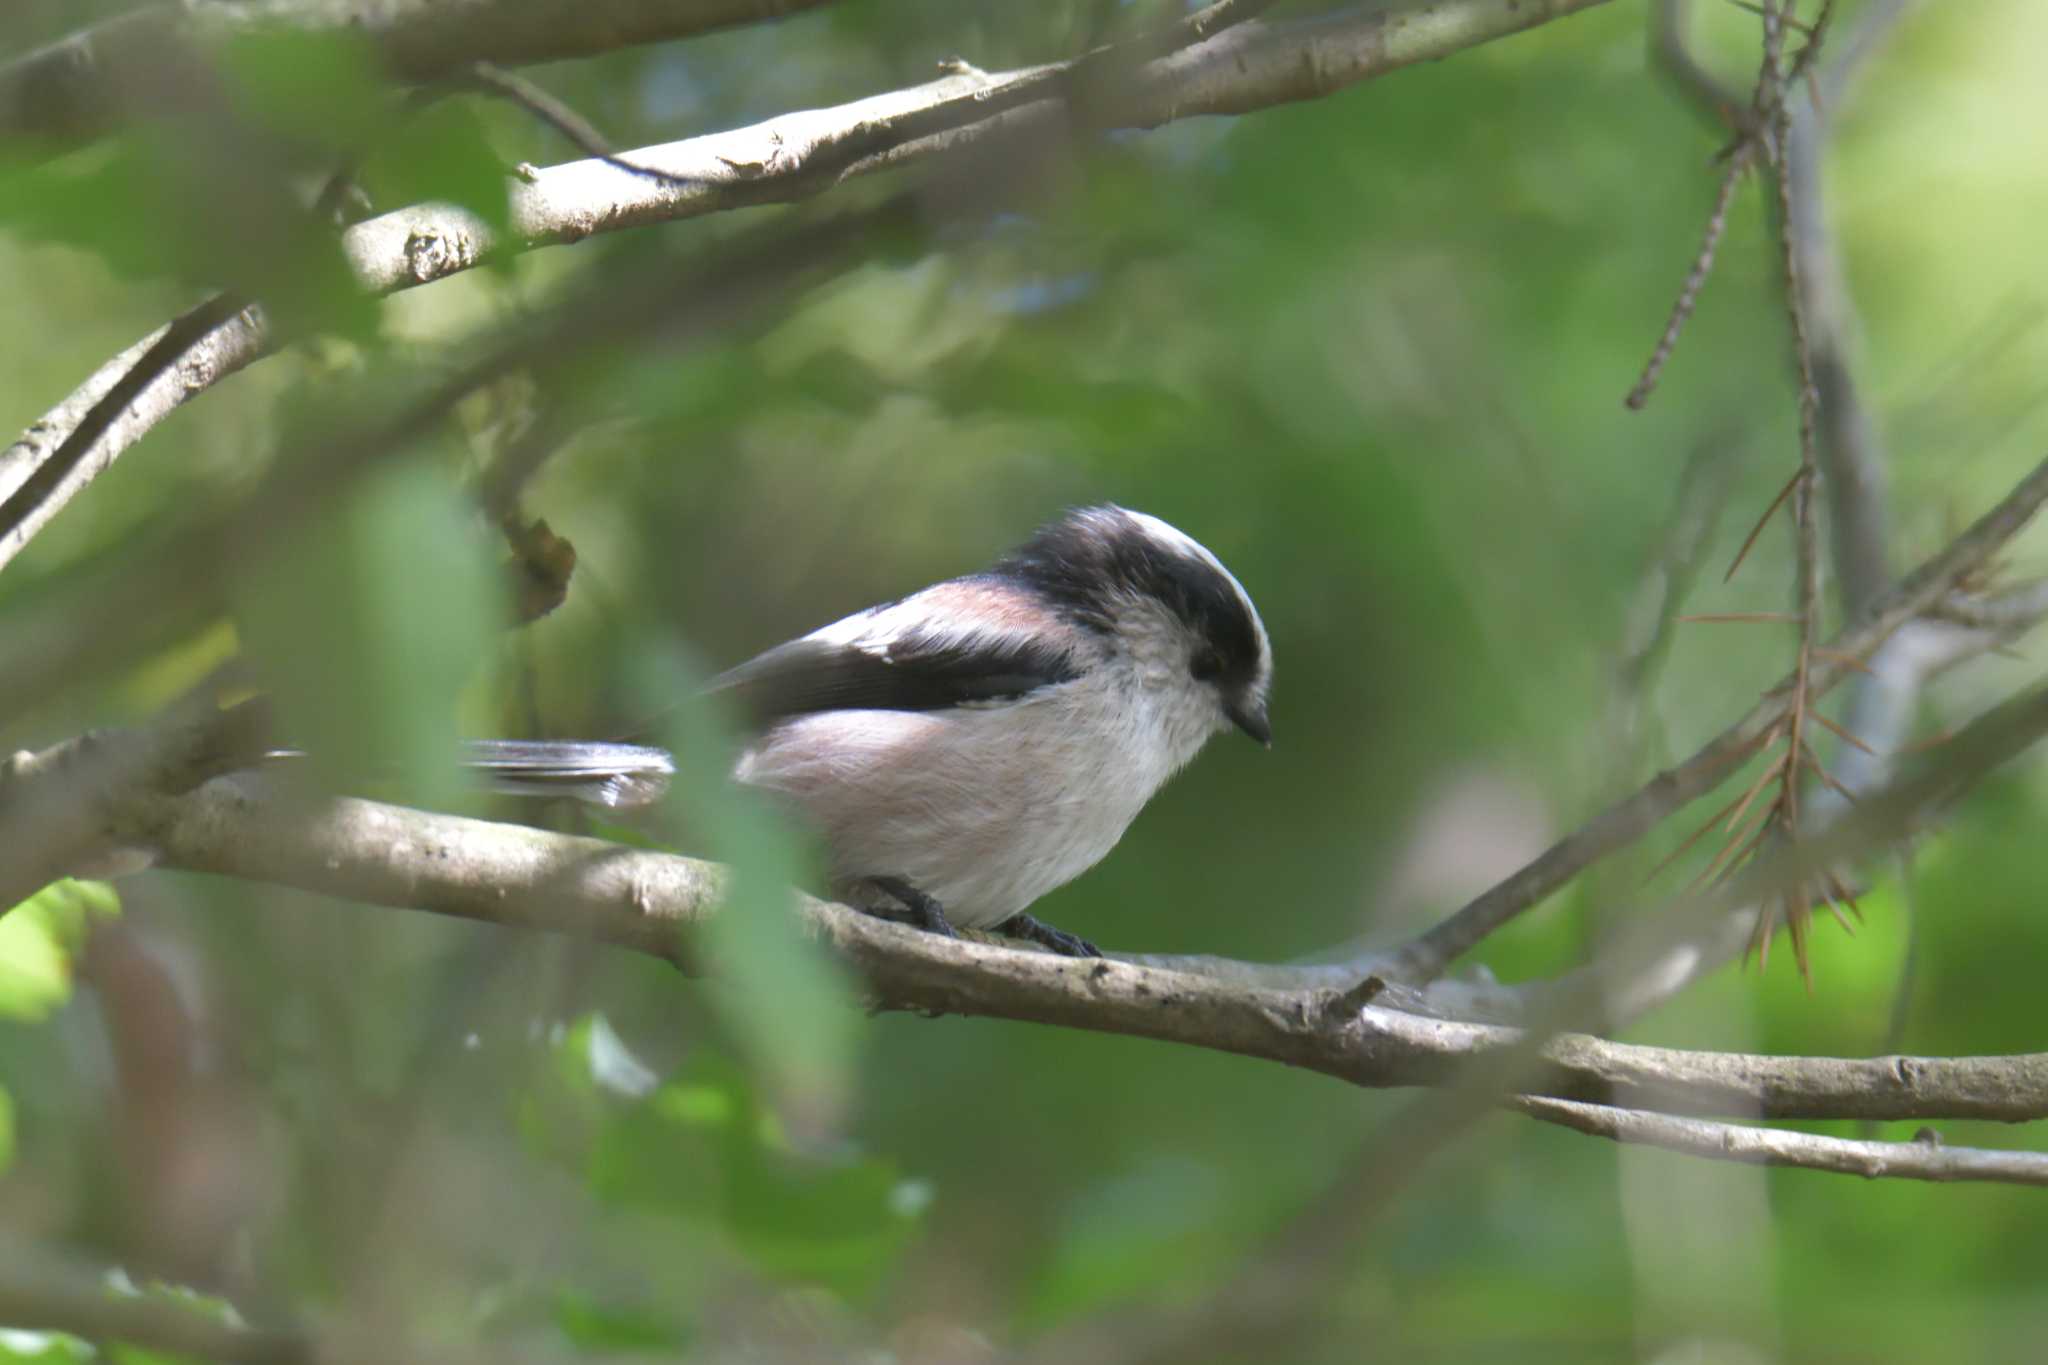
1916,1160
61,808
795,156
84,86
245,826
1627,820
1252,65
124,398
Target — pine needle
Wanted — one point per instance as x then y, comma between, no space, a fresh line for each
1763,779
1844,658
1675,854
1762,522
1843,734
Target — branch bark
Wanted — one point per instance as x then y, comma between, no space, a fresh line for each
1916,1160
1250,66
73,444
64,807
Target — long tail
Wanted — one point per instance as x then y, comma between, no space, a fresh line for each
603,774
594,771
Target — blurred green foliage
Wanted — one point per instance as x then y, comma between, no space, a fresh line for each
1371,350
44,1348
38,940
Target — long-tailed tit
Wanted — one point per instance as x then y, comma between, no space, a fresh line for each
964,751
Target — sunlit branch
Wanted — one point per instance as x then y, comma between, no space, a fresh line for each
1245,67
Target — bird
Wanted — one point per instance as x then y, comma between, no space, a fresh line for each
967,749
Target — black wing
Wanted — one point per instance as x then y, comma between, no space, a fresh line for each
913,674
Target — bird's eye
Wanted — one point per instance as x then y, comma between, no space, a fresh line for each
1206,665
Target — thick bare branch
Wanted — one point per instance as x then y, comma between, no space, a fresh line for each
247,827
85,85
1248,66
1916,1160
59,807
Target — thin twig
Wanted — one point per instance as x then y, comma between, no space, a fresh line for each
1763,779
1695,278
1693,838
1758,529
1836,656
1916,1160
579,131
1843,733
1819,769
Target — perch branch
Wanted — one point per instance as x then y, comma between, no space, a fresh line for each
249,826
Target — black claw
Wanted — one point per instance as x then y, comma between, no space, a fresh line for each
920,910
1039,932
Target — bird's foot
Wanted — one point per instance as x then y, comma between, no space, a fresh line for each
919,910
1039,932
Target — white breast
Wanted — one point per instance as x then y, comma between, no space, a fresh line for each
985,808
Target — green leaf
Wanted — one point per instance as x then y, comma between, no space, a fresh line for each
38,940
440,155
6,1130
701,1147
788,1004
43,1348
318,87
594,1326
371,625
153,206
110,200
122,1353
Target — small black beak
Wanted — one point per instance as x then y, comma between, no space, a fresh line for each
1250,717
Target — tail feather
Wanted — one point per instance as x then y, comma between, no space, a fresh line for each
596,772
603,774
